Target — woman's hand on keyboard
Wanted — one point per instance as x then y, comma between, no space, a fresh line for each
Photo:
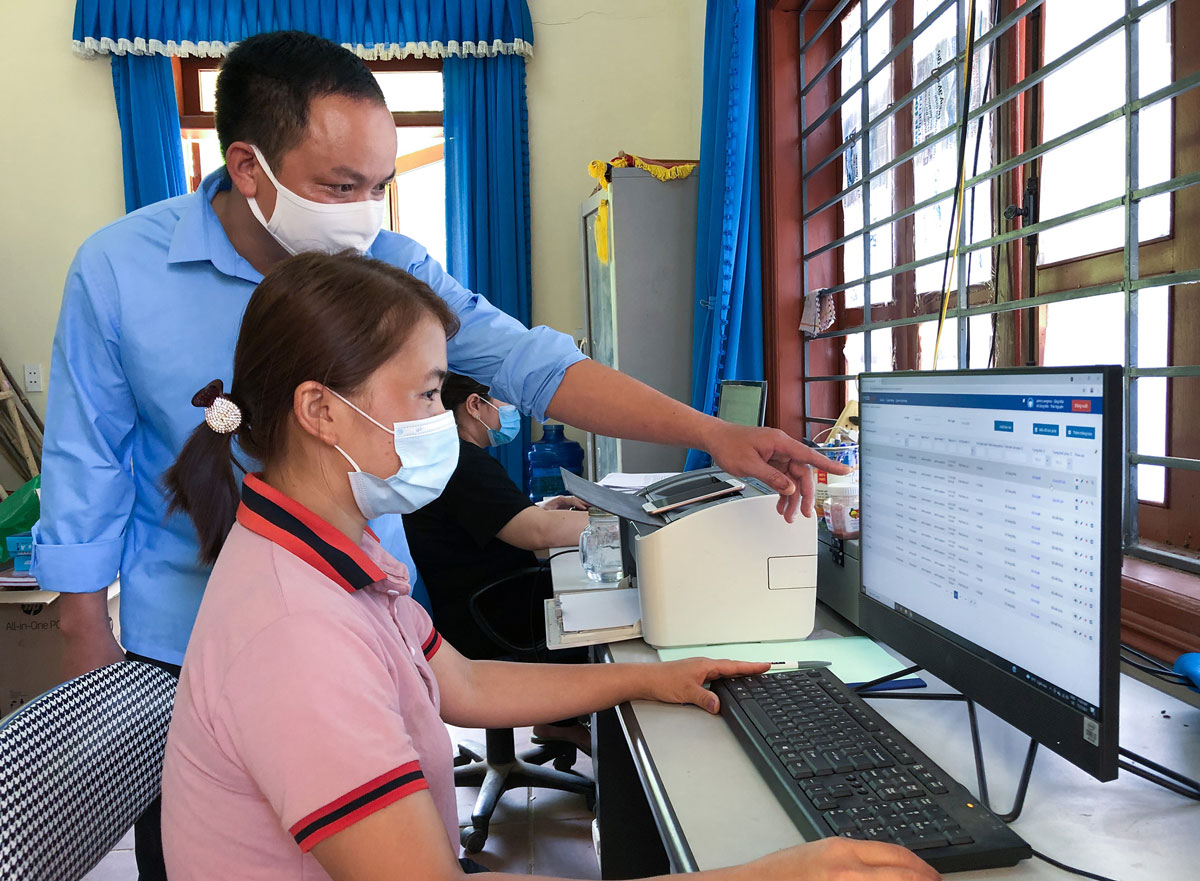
682,682
843,859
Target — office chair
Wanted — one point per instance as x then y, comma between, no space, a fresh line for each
80,764
498,767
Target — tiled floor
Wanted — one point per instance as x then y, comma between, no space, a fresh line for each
534,831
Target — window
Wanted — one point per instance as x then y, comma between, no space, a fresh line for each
1076,159
413,91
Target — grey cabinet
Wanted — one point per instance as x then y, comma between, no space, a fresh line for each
637,307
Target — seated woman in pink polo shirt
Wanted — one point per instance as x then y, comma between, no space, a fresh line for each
308,739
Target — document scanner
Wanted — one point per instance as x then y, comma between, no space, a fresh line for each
725,569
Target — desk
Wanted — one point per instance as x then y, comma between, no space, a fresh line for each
675,789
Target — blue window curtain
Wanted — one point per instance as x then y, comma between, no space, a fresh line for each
727,332
131,30
487,194
151,151
137,33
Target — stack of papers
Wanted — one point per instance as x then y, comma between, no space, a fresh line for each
17,580
627,482
593,617
599,609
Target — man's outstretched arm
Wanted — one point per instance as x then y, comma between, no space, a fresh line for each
602,400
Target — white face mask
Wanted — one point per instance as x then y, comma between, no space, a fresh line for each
300,224
428,451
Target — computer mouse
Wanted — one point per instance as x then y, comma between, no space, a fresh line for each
1189,666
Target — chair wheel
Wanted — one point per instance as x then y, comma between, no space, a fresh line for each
565,762
472,839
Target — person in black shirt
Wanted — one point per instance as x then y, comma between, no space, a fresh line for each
482,528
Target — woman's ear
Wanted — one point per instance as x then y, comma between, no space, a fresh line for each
310,406
473,404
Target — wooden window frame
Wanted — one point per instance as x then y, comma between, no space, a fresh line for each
1161,605
187,91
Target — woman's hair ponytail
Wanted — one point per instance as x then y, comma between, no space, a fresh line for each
201,483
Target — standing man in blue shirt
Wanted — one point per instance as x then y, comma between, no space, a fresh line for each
151,311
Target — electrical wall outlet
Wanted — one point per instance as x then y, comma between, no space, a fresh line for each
33,377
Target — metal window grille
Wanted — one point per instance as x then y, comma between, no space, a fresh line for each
856,18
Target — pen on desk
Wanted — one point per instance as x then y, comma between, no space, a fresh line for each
799,665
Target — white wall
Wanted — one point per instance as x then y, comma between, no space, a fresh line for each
60,173
606,75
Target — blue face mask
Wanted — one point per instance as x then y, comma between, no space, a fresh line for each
510,424
428,451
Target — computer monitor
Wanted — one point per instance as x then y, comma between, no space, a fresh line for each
991,542
742,402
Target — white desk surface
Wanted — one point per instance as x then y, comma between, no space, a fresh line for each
699,779
567,575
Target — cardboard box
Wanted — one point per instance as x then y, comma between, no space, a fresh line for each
31,645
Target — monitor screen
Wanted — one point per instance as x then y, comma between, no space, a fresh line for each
742,403
991,542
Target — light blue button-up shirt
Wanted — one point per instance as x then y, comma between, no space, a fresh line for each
150,314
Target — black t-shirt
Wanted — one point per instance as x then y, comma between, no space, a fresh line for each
453,542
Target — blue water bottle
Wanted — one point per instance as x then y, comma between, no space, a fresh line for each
546,456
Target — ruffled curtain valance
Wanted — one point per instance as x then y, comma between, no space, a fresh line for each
372,29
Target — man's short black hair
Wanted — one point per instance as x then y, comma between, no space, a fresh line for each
268,82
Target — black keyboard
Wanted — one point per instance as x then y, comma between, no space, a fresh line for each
839,768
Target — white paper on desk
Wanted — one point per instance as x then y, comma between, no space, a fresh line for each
852,658
629,480
599,610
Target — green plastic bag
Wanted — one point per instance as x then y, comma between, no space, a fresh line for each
18,513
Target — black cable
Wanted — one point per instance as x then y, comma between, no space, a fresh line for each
560,553
959,176
1158,672
1146,657
1071,869
987,85
1175,775
1153,778
1189,789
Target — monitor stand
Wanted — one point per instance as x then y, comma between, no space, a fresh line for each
1159,775
865,690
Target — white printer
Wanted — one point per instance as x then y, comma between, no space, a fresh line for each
726,568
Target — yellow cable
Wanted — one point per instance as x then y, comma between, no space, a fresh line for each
962,191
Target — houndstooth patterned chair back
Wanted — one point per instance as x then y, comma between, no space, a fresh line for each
78,765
